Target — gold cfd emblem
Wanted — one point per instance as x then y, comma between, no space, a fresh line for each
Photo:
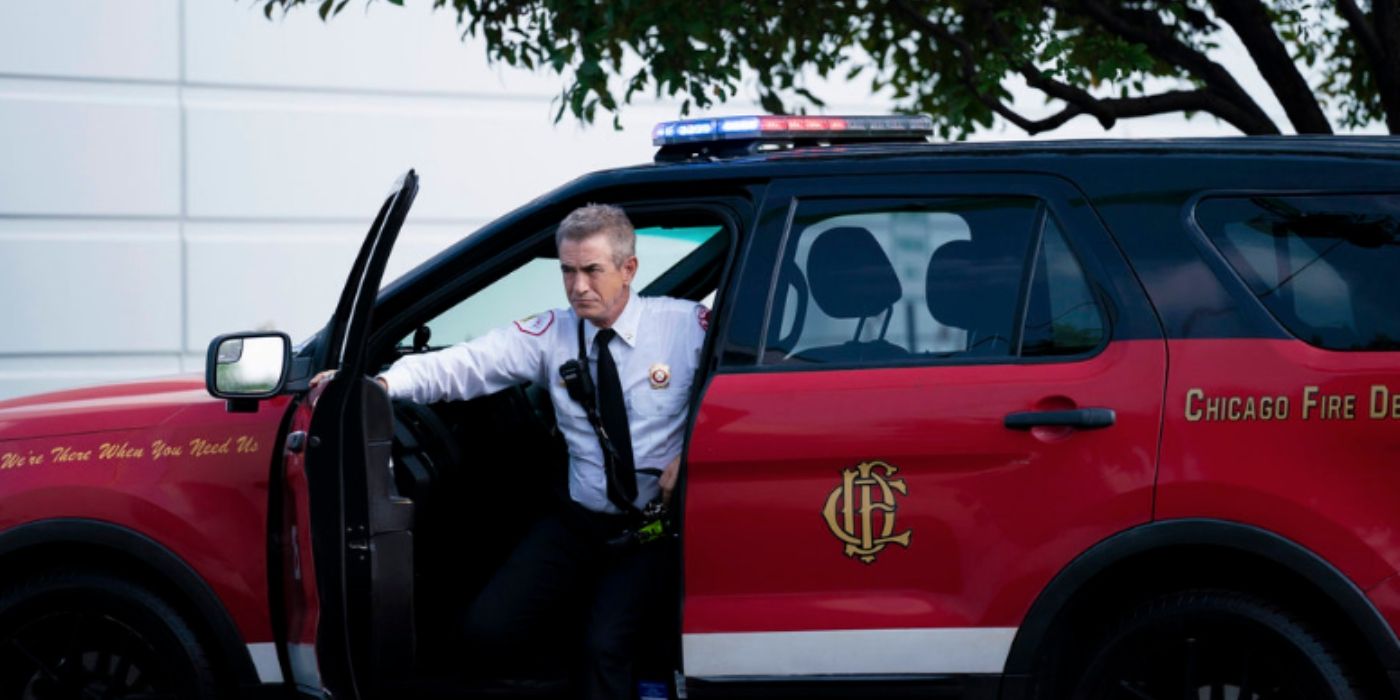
860,512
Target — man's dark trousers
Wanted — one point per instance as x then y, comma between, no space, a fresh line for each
565,559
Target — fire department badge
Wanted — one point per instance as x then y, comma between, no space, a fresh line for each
660,376
535,324
860,512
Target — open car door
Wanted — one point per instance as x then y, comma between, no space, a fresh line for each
361,537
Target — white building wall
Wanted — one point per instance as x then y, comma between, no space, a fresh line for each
174,169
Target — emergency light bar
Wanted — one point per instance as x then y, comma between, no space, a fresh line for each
720,136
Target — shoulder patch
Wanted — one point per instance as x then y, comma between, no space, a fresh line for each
702,315
535,324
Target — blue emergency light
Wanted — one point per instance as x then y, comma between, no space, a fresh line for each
721,136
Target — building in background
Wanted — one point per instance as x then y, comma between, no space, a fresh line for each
173,169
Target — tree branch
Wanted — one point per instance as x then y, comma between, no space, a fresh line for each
1107,110
1031,126
1377,40
1252,24
1159,41
1167,102
1386,16
1365,34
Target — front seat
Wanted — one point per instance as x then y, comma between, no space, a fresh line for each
851,278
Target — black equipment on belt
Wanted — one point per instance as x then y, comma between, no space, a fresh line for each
651,521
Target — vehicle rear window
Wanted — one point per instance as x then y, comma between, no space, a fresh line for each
1327,267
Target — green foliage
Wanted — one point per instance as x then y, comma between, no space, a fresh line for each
1320,40
951,59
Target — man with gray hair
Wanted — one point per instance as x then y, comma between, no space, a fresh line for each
624,435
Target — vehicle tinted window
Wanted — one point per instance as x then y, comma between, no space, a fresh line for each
905,281
1062,317
1327,267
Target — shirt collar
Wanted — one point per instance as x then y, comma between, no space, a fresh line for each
626,324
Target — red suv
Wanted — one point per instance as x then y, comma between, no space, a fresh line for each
1036,420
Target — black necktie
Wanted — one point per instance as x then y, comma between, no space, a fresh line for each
622,478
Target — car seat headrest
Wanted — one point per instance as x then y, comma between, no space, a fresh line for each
970,285
946,285
850,275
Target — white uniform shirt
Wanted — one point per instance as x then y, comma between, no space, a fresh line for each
657,350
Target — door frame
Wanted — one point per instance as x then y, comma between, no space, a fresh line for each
1127,309
342,646
335,457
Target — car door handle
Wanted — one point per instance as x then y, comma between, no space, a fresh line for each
1082,418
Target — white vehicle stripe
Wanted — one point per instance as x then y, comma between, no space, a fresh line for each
838,652
265,661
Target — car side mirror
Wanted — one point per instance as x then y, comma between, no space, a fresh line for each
244,367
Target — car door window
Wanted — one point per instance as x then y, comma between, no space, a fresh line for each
900,281
1062,317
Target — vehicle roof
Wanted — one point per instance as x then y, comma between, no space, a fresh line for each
1378,146
913,157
